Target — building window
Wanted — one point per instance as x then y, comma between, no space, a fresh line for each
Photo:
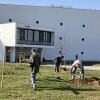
82,39
83,25
30,35
48,36
36,35
82,52
37,22
10,20
41,35
60,38
26,34
61,23
22,34
44,36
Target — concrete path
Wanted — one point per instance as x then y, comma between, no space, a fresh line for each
68,66
89,67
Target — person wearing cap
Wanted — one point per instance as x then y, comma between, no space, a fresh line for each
34,66
74,66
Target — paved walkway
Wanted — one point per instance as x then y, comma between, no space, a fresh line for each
85,67
89,67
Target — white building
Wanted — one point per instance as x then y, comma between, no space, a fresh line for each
76,31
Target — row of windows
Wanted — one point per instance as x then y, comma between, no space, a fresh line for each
34,35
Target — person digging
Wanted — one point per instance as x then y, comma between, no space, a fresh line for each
74,66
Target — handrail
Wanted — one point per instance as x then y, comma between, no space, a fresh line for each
30,42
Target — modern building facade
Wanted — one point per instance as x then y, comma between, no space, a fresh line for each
68,31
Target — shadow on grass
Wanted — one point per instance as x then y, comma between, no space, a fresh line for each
54,80
76,91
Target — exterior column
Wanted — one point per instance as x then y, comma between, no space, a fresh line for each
2,51
12,54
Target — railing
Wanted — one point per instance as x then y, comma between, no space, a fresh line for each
30,42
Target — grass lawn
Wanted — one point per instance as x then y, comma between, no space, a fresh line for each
17,85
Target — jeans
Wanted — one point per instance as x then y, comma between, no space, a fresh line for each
33,78
74,71
56,68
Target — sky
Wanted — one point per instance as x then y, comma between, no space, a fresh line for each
81,4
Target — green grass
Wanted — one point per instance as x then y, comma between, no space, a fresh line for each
17,86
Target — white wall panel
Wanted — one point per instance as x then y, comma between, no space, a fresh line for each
49,18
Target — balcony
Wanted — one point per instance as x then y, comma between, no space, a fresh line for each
30,42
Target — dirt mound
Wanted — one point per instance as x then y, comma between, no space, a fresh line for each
6,72
89,81
64,69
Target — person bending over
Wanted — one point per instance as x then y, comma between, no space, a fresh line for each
74,66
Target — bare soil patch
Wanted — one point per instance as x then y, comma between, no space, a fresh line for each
90,81
6,72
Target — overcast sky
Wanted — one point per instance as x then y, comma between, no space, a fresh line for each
81,4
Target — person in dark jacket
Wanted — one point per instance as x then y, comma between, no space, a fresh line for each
34,66
57,62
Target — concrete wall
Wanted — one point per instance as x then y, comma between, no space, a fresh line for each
7,34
